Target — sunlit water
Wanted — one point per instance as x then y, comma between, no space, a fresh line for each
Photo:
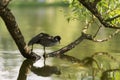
52,21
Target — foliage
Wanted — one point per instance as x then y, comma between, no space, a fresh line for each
77,11
109,10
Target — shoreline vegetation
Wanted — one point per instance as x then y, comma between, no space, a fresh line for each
38,4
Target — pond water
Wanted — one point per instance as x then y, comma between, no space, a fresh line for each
53,20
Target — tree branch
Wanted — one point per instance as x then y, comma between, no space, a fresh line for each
97,14
4,3
69,46
15,32
84,32
80,39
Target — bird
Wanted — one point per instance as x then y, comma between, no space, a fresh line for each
45,40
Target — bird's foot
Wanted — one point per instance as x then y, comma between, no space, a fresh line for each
34,56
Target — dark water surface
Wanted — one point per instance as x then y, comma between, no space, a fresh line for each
53,21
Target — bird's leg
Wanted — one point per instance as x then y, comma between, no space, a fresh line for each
32,48
44,55
44,61
44,50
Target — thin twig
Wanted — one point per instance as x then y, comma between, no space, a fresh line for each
113,18
106,39
86,26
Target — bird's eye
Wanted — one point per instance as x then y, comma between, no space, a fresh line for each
56,39
41,34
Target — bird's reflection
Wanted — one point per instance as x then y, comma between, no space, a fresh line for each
89,62
44,71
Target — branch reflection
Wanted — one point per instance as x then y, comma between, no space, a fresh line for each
91,63
44,71
25,68
109,74
88,62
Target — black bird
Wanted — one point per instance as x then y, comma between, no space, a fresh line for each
45,40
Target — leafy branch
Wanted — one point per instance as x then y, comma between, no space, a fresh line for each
93,9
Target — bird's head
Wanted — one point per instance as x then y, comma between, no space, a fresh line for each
57,38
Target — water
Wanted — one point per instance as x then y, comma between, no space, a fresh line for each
53,21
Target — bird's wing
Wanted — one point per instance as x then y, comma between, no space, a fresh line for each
35,39
45,36
40,37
